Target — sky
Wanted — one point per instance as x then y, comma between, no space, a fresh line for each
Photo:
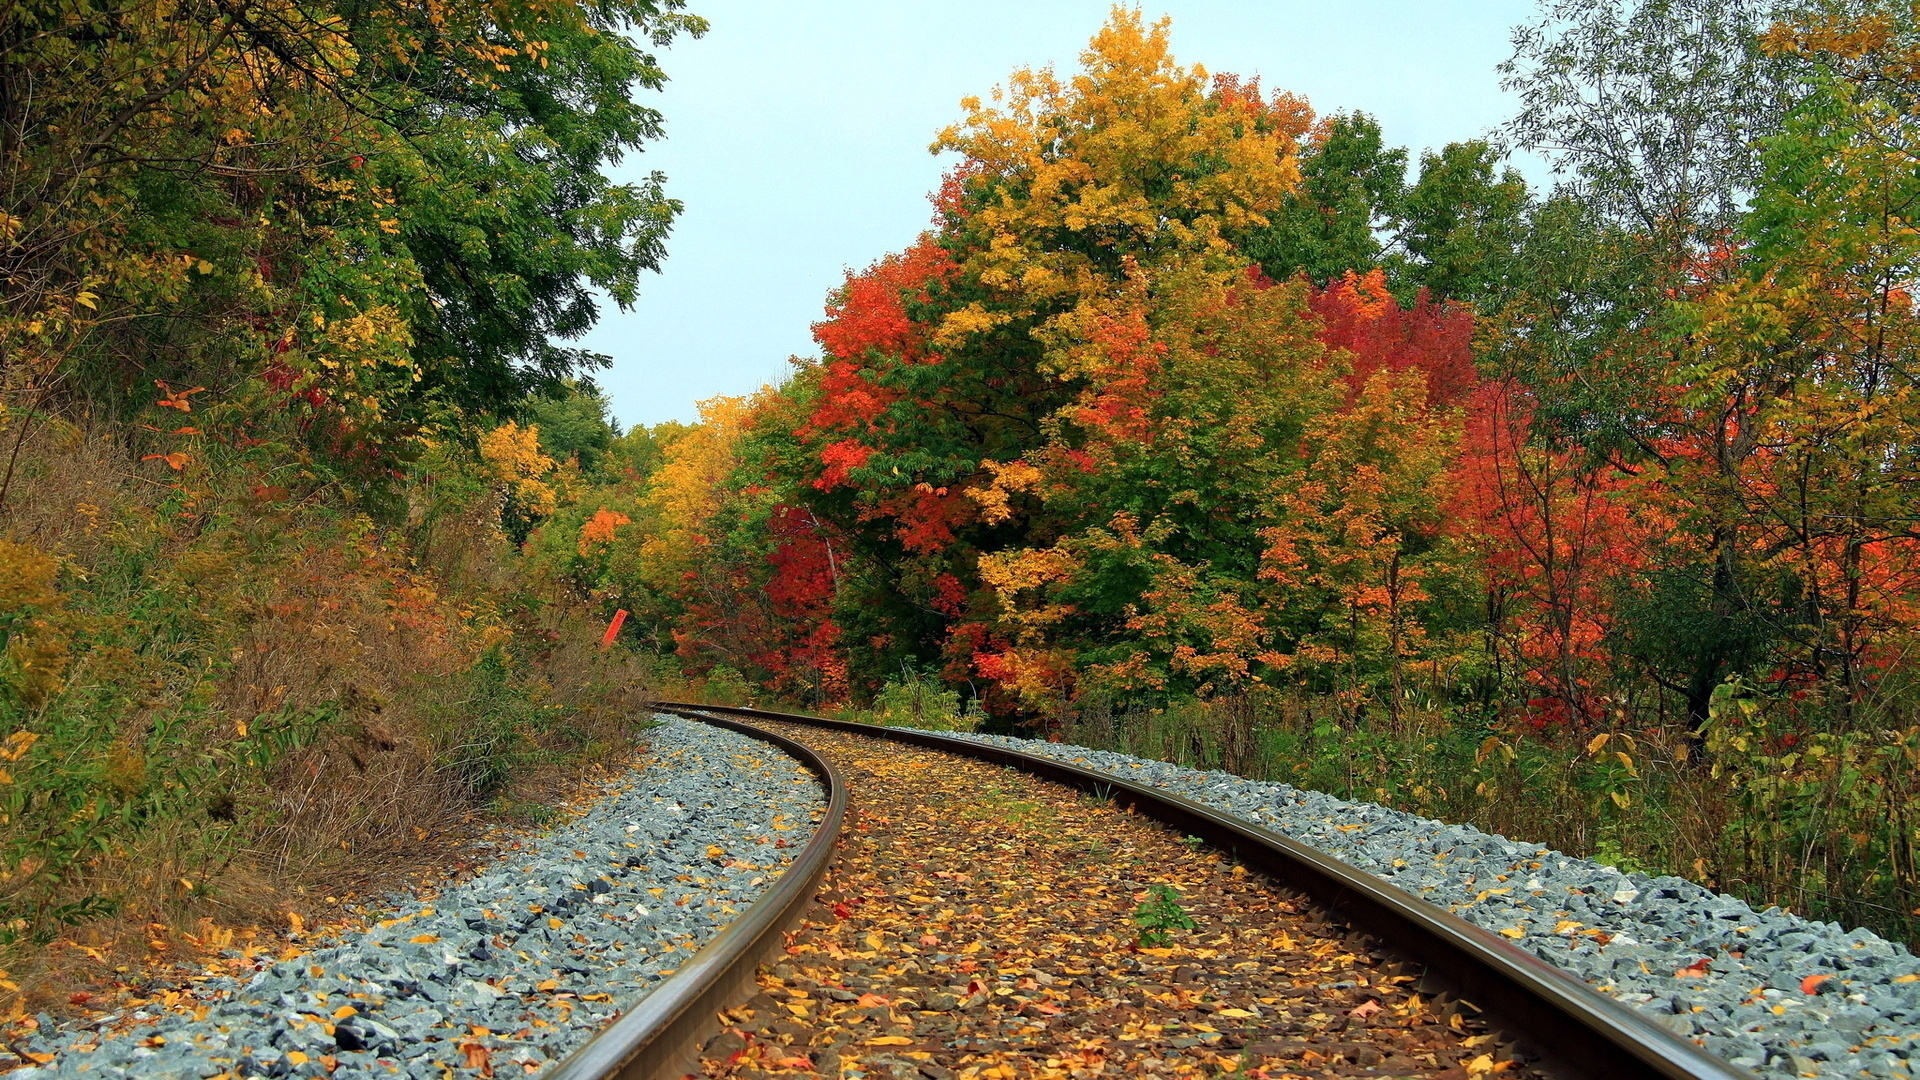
797,138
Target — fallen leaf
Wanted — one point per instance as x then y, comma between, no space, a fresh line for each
476,1057
1699,969
889,1040
1365,1009
1811,984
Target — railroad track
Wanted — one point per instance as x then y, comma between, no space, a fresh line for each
1492,991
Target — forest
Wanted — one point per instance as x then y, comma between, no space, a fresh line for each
1201,422
1206,425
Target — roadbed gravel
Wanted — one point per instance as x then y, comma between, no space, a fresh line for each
518,966
1771,991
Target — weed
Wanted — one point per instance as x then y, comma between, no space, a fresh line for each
1160,913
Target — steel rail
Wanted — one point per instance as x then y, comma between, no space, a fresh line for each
1575,1030
660,1037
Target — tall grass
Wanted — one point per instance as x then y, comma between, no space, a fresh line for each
1825,824
221,695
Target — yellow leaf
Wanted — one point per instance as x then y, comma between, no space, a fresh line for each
1513,932
345,1011
423,939
547,984
889,1040
1237,1014
1598,741
1906,978
875,941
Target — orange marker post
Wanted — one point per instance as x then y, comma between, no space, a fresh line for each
613,628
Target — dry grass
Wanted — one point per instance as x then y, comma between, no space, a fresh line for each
268,703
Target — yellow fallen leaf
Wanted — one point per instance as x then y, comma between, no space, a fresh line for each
875,941
889,1040
547,984
295,1057
345,1011
1512,932
1906,978
424,939
1237,1014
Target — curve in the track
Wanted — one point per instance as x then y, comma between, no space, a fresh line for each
661,1036
1575,1030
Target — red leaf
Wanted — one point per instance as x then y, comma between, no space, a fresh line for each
1696,970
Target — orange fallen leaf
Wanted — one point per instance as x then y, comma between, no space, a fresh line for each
1696,970
889,1040
477,1058
1811,984
868,1001
1365,1009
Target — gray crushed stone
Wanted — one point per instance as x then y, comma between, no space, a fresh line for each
1627,934
525,960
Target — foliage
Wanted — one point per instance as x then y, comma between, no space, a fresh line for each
1160,913
1198,425
276,287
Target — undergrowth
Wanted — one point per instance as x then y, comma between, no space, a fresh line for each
1823,824
223,695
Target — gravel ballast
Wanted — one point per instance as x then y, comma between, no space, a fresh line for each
520,964
1741,994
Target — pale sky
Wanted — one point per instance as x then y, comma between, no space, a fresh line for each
797,137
